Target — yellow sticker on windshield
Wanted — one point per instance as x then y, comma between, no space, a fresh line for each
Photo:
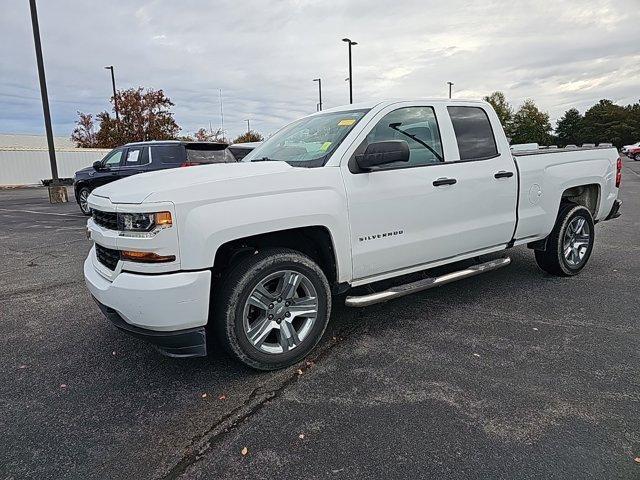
346,122
325,146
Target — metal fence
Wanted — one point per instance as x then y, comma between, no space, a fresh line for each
31,166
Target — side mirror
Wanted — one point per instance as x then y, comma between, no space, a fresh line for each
382,153
97,165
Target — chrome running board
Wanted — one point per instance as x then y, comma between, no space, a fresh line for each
425,284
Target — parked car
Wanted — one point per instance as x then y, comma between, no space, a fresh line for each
626,148
140,157
253,252
241,150
634,152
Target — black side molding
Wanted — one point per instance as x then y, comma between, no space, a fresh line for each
615,210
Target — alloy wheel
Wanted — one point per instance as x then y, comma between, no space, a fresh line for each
577,238
280,311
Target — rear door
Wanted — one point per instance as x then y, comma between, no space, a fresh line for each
482,201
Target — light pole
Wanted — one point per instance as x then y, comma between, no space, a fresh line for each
115,98
319,93
57,193
450,85
350,42
248,126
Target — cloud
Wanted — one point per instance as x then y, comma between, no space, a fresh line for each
264,56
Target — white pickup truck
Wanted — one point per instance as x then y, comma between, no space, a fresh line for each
251,252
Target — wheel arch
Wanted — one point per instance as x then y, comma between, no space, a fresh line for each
315,241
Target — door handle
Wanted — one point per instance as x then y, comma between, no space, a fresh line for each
444,181
503,174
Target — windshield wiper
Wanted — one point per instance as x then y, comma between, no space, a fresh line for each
264,159
416,139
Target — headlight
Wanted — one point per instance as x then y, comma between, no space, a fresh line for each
144,222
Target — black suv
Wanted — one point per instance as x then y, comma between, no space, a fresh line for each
143,157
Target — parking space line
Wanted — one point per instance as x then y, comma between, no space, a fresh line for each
42,213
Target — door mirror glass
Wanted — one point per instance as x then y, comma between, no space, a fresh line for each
383,153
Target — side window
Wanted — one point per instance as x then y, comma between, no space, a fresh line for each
473,133
136,156
415,125
113,159
168,154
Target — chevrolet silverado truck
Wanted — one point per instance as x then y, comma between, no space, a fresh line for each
252,253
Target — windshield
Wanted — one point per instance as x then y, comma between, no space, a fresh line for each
307,142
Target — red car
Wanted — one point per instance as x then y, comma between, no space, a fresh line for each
634,152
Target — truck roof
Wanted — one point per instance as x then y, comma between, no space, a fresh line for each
201,145
384,103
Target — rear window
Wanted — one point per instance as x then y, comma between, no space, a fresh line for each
473,133
167,154
209,156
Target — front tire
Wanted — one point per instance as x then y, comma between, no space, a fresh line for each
83,195
272,309
570,243
636,157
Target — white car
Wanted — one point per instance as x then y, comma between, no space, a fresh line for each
253,252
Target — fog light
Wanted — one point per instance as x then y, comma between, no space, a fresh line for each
145,257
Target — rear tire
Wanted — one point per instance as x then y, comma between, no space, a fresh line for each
570,243
272,308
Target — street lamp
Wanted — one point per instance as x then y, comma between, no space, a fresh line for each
248,126
113,84
319,93
450,85
350,42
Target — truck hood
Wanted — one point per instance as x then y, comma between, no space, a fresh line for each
137,188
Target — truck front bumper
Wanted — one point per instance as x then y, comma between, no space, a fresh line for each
168,310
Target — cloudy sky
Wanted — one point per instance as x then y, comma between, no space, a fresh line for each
264,55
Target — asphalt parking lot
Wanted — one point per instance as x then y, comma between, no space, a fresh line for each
512,374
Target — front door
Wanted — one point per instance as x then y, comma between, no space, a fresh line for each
431,208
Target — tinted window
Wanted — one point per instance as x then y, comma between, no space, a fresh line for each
136,156
168,154
415,125
473,133
113,159
209,156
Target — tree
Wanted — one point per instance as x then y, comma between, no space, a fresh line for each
204,135
144,115
83,135
503,108
531,125
570,127
250,136
608,122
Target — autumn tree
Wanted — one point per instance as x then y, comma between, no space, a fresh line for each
83,135
504,110
531,125
144,115
250,136
204,135
569,128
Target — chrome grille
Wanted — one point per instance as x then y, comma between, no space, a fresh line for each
105,219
